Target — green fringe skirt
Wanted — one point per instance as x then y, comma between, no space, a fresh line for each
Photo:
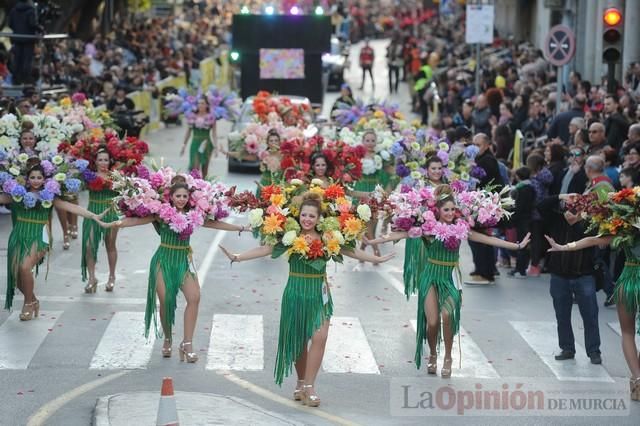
414,263
92,232
200,136
303,311
31,228
627,290
438,276
174,262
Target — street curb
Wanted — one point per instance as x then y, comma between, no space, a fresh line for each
187,402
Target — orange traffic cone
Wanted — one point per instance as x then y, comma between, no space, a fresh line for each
167,411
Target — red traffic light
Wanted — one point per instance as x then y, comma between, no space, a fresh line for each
612,16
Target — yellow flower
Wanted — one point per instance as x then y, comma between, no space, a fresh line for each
342,201
272,224
333,247
378,114
352,227
399,115
96,132
300,246
278,199
317,190
362,121
66,102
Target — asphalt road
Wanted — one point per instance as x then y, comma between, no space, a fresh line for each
87,346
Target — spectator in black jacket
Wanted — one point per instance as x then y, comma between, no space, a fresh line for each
22,20
616,124
525,198
572,277
554,155
484,256
559,127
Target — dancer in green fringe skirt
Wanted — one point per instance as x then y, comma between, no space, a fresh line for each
92,233
171,270
368,183
30,240
627,297
414,250
439,291
306,307
204,140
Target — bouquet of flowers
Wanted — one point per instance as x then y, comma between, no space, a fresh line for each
414,211
251,142
81,116
60,177
126,153
271,108
383,157
148,194
275,218
619,216
345,160
222,105
48,130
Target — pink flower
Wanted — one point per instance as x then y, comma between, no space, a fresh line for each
156,179
415,232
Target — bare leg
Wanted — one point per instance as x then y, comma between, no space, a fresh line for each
432,315
191,291
628,331
447,334
301,364
112,252
62,218
91,262
26,281
315,355
72,220
205,167
161,291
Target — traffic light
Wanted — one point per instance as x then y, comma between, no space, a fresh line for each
612,25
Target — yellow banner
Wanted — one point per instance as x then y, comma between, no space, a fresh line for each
517,150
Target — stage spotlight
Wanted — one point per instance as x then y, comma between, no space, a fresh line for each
319,10
294,10
245,10
269,10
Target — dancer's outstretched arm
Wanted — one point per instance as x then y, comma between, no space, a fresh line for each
394,236
497,242
367,257
251,254
580,244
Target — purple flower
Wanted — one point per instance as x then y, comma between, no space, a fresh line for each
195,173
458,186
402,170
29,200
8,185
52,186
46,195
471,151
451,243
478,172
4,176
443,156
403,223
397,149
89,175
142,172
81,164
18,191
48,167
72,185
141,211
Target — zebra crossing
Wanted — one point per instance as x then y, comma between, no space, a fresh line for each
237,343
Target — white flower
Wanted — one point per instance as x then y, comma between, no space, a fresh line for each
443,146
57,160
23,157
234,136
368,166
288,237
338,236
60,177
416,175
378,161
296,182
317,182
5,142
255,217
364,212
385,155
14,171
46,204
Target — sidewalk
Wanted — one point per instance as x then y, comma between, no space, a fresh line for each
140,408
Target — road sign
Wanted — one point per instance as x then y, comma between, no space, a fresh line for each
560,45
479,24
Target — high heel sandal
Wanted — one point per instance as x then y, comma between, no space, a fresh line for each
65,241
310,400
166,352
446,368
74,232
32,312
634,388
298,393
432,366
91,286
190,357
109,286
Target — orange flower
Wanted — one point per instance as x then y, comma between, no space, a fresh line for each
316,249
278,199
625,194
267,191
333,247
344,216
334,192
273,224
352,227
300,246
